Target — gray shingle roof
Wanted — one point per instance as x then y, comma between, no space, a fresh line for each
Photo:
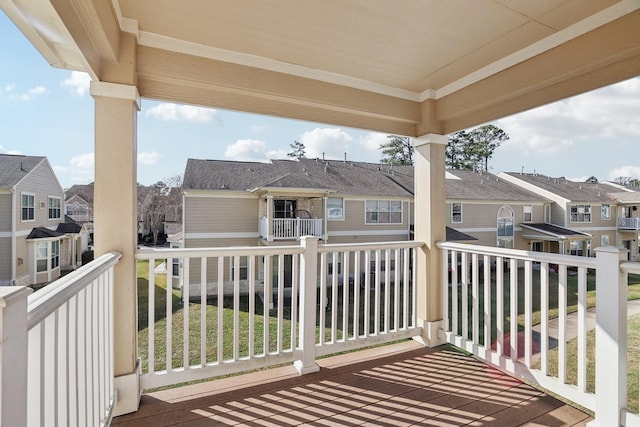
472,185
13,168
355,178
571,190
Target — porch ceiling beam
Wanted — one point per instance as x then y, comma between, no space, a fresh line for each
606,55
208,82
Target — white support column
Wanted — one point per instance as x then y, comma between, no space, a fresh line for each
13,355
611,337
115,223
429,227
269,218
325,222
306,364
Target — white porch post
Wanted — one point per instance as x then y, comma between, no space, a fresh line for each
13,355
611,337
306,364
115,223
430,222
269,218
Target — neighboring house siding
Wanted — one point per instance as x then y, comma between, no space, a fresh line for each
41,182
220,215
559,215
354,219
22,268
5,260
5,213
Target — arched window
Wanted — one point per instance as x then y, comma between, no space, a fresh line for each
505,227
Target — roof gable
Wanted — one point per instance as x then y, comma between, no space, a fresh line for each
14,168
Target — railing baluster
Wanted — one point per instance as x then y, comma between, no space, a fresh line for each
528,310
487,300
453,265
268,279
367,293
185,312
295,286
169,322
220,304
151,319
513,308
203,311
582,329
464,273
500,305
323,296
356,293
345,295
544,317
447,297
475,322
252,305
396,290
236,308
376,294
280,321
334,297
562,323
387,289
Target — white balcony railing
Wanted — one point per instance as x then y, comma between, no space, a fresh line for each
493,298
629,223
57,350
260,306
291,228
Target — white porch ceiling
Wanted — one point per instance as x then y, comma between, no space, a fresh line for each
409,67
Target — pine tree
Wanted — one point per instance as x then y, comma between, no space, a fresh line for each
297,150
398,150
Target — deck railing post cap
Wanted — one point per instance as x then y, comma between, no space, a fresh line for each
611,250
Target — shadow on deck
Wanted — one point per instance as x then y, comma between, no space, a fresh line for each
398,385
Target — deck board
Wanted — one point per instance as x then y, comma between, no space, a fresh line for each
399,385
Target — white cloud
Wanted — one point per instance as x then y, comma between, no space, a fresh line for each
625,171
148,159
182,113
331,143
252,150
371,142
610,112
83,162
27,95
78,82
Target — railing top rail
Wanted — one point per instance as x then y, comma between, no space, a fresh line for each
159,253
45,301
345,247
630,267
577,261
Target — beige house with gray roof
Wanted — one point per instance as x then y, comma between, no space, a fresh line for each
35,242
586,210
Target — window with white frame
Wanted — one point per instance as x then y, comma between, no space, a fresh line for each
243,269
527,213
605,212
383,212
335,208
42,256
55,254
581,213
576,247
505,219
54,207
28,207
456,213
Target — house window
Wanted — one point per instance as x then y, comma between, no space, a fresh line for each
55,254
576,247
605,212
335,208
175,264
527,213
581,213
456,213
505,227
42,256
284,208
54,207
243,270
383,212
28,207
604,240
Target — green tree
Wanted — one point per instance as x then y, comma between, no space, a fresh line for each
398,150
297,150
473,149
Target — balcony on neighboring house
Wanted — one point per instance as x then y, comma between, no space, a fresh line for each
291,228
629,223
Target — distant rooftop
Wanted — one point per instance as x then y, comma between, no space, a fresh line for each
14,168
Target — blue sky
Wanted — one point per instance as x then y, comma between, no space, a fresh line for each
49,112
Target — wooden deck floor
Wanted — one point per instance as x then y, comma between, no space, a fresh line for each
398,385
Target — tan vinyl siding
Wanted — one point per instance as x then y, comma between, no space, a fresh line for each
5,260
22,269
41,182
368,239
354,218
220,215
5,212
558,215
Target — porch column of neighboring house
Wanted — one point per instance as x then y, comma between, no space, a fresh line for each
115,223
269,218
430,222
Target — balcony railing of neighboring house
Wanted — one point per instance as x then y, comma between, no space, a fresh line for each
523,283
629,223
59,341
325,300
292,228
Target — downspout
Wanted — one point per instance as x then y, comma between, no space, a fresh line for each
14,257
